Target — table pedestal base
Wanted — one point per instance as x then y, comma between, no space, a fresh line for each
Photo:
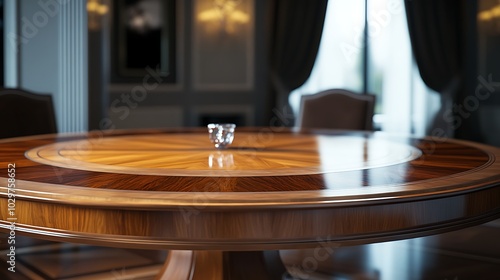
219,265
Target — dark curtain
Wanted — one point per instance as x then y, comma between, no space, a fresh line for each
297,26
436,33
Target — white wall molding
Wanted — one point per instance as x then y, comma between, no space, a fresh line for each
72,103
11,53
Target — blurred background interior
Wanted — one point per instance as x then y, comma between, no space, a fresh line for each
433,67
150,63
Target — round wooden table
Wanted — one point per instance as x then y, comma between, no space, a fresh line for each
269,190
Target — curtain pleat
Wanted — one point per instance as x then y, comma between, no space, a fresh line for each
297,28
436,33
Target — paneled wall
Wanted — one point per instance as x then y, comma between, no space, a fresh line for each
220,75
487,90
49,46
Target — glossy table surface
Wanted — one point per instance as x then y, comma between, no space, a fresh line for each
269,190
171,189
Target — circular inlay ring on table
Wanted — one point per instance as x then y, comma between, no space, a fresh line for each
193,155
453,184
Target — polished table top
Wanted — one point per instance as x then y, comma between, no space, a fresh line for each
269,190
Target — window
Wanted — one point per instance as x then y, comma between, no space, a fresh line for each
404,103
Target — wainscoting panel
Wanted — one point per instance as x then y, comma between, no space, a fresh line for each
223,45
124,117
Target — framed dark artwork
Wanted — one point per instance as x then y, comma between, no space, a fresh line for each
144,37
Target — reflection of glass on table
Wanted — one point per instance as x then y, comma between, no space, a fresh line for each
293,190
220,160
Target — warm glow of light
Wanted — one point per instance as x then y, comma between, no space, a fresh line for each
102,10
225,14
239,16
496,11
138,22
95,10
490,13
209,15
486,15
93,6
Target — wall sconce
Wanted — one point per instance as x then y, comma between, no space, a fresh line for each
490,19
95,11
224,15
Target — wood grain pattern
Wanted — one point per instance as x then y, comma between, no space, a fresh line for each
369,194
439,159
452,185
193,155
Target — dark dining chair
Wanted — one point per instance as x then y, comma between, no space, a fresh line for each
24,113
337,109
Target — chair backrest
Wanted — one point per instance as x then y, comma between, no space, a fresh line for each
337,109
25,113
